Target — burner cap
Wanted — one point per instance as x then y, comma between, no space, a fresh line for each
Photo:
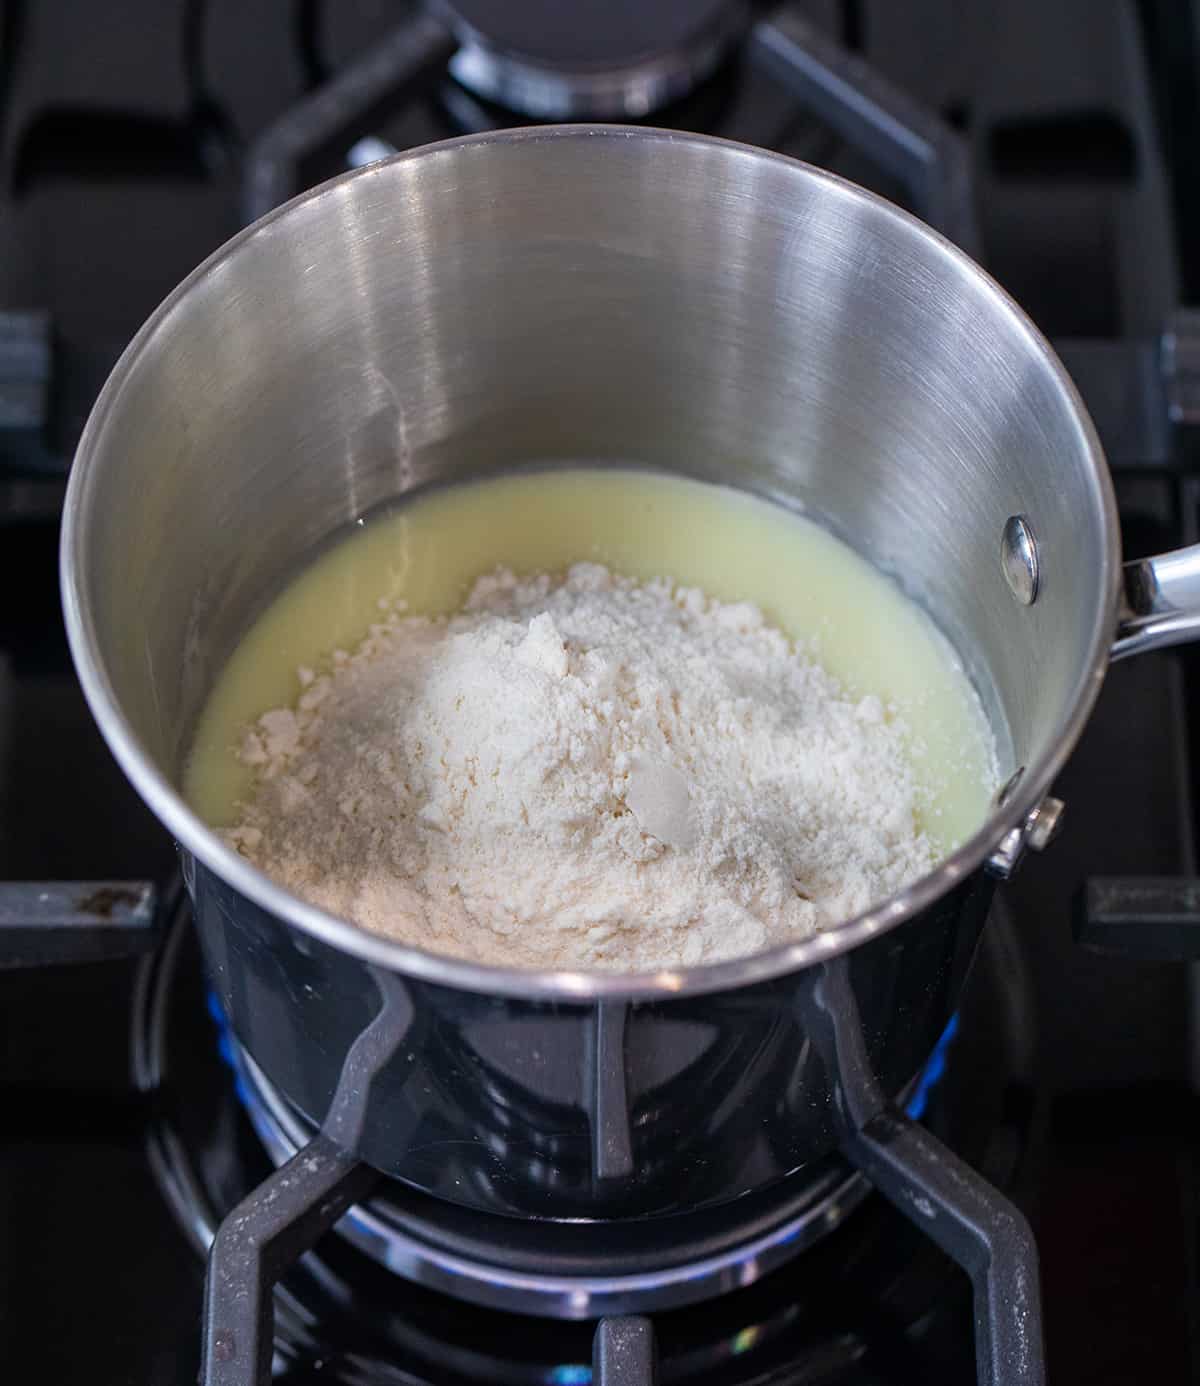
596,59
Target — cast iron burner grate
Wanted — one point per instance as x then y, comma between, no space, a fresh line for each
644,56
586,1268
496,64
266,1236
257,1245
266,1296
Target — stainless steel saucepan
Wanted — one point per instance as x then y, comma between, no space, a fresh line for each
594,293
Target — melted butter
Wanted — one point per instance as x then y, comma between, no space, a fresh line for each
429,550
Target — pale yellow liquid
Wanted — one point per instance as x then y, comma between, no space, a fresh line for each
428,552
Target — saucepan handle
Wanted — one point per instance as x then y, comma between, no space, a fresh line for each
1160,602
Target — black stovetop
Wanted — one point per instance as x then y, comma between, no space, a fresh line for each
123,133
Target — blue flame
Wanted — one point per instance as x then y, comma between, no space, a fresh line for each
570,1374
935,1070
225,1042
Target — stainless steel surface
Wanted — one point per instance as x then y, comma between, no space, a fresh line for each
1161,603
748,319
1004,859
1005,791
583,293
1019,559
1038,831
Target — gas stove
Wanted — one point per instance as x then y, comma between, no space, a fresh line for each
1055,142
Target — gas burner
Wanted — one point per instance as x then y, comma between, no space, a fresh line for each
572,1269
590,59
381,1289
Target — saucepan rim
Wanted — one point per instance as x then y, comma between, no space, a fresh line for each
568,985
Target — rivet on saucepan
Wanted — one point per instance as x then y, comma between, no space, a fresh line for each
1042,825
1019,559
1008,786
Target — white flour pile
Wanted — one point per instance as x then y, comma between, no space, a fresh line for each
583,772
